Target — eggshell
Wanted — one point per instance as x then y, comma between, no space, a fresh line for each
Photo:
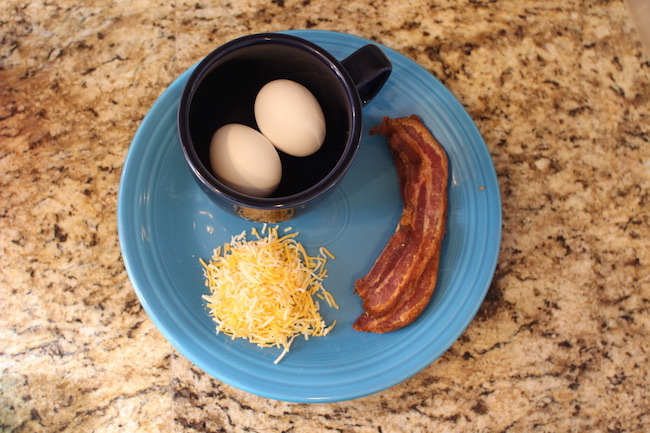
244,160
289,115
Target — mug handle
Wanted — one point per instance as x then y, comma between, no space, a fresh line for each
369,68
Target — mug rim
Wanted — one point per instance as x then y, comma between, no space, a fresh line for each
204,174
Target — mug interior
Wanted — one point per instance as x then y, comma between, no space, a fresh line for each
228,82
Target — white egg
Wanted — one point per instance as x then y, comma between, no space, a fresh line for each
290,117
245,160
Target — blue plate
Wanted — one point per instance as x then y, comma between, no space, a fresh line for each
166,224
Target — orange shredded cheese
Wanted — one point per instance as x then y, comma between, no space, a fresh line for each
263,289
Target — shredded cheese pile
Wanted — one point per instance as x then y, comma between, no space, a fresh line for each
263,289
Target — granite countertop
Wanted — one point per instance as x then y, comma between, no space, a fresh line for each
560,92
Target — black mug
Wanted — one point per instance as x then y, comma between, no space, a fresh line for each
222,90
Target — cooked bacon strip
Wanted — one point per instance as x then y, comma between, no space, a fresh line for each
400,284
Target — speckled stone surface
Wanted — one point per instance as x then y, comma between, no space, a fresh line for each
560,91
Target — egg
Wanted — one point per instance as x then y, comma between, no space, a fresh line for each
289,115
245,160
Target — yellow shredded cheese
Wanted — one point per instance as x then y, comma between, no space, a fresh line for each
263,289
